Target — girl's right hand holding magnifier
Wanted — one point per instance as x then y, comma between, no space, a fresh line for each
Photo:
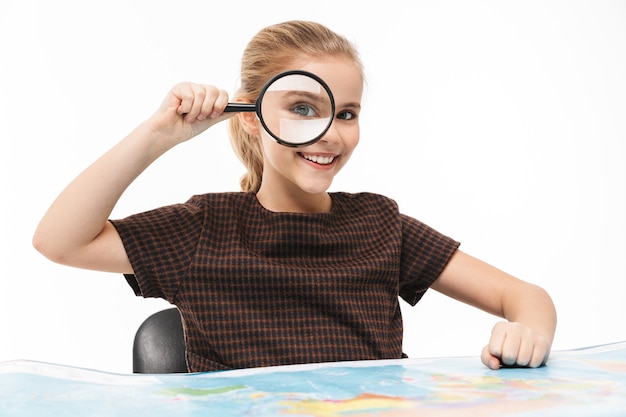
188,110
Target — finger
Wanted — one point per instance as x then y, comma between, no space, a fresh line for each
539,355
200,94
220,103
209,107
496,341
211,113
489,360
184,94
525,353
510,348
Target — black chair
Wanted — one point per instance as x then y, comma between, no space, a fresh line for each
159,346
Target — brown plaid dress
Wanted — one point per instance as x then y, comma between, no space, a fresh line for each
259,288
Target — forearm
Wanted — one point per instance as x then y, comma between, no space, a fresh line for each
80,212
477,283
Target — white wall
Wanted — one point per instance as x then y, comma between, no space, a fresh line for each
502,124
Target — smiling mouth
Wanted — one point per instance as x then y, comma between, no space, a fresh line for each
319,159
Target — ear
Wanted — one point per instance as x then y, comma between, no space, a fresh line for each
249,122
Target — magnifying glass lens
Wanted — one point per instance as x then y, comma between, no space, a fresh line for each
296,109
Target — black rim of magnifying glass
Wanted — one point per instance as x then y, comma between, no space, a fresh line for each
256,107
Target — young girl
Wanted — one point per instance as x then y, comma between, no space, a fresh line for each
283,272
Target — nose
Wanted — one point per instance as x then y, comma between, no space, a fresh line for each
332,134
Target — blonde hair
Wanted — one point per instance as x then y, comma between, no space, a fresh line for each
268,53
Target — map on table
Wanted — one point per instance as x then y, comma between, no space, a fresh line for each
584,382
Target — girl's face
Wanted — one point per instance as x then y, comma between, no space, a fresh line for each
311,169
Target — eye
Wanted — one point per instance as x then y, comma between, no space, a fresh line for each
304,110
346,115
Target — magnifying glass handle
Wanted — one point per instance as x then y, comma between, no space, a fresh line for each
237,107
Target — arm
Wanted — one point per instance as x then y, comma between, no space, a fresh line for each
75,230
525,338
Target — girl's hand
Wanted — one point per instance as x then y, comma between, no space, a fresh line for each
514,344
188,110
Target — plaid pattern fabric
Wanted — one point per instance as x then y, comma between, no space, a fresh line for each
258,288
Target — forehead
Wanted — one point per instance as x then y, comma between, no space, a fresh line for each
342,74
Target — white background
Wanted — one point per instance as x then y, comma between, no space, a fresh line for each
499,123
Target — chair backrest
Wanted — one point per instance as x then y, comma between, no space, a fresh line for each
159,346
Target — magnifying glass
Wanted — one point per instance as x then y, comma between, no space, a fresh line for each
296,108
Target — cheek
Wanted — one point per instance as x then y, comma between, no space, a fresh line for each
350,141
357,137
352,136
273,153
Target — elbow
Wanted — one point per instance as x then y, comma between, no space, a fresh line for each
41,245
47,247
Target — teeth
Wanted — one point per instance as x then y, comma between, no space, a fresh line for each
318,159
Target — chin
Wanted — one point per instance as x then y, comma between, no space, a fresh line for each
317,188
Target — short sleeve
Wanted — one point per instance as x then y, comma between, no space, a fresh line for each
161,245
424,254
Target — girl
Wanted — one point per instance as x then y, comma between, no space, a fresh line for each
283,272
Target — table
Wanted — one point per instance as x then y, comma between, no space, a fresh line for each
582,382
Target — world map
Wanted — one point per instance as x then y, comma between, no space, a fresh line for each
585,382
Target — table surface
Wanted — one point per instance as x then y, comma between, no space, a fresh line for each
581,382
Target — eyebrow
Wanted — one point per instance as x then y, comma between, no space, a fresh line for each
353,105
312,96
319,98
